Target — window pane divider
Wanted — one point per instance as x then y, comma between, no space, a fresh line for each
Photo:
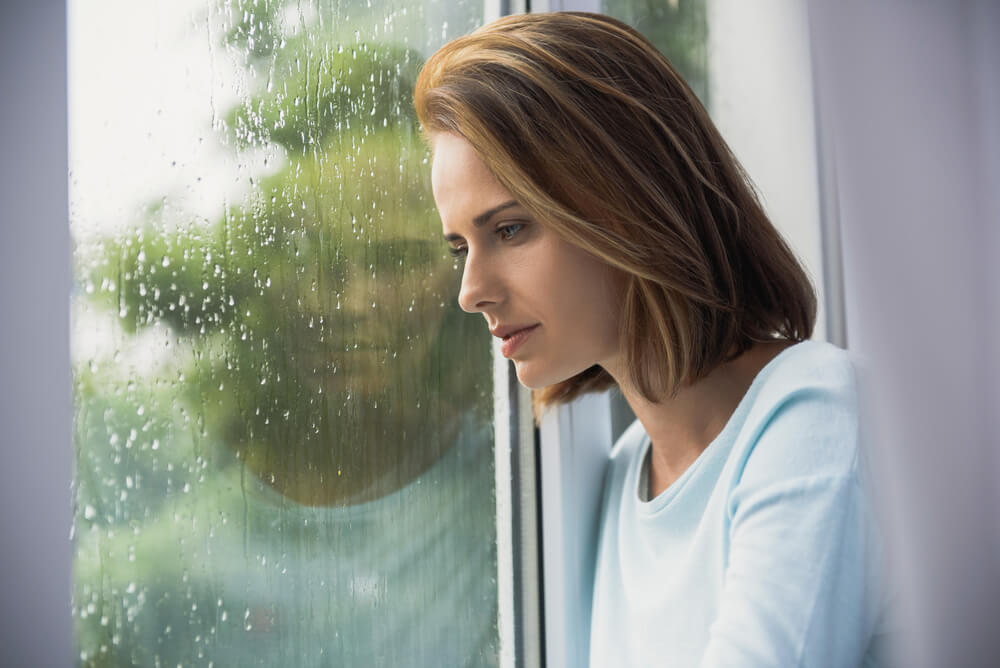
518,546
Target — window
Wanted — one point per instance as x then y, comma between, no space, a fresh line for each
283,423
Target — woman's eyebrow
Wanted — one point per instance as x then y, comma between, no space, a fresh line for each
483,218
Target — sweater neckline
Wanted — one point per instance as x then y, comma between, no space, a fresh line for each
735,422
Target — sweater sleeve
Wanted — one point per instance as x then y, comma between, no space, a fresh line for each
798,587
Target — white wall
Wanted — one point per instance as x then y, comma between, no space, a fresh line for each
761,99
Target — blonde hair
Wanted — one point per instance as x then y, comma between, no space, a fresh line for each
596,135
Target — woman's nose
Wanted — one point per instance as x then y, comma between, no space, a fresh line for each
480,286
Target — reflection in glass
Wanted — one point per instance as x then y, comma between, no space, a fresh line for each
678,28
284,448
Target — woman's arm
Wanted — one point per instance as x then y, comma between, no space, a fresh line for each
800,586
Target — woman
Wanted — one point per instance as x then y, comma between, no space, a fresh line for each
610,238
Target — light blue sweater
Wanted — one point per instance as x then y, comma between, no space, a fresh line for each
763,553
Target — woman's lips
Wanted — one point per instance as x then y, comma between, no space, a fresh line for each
513,341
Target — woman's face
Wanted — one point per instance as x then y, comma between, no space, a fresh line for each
554,306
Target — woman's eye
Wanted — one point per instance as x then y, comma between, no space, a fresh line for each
507,232
457,252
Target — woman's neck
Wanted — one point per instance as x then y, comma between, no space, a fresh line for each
681,427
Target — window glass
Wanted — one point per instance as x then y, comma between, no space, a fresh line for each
283,422
678,28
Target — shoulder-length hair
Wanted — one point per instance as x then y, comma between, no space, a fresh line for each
595,134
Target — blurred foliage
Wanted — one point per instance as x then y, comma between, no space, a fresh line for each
678,28
329,348
321,97
314,342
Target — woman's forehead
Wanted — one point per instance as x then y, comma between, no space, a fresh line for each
460,178
454,156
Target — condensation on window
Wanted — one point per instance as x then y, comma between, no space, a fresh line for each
282,423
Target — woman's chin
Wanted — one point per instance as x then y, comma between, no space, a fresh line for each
535,378
524,375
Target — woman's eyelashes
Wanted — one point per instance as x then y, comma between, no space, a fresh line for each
504,233
507,231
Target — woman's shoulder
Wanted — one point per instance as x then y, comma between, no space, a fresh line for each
816,364
806,378
802,418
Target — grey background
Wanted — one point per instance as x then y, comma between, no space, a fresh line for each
908,96
35,405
